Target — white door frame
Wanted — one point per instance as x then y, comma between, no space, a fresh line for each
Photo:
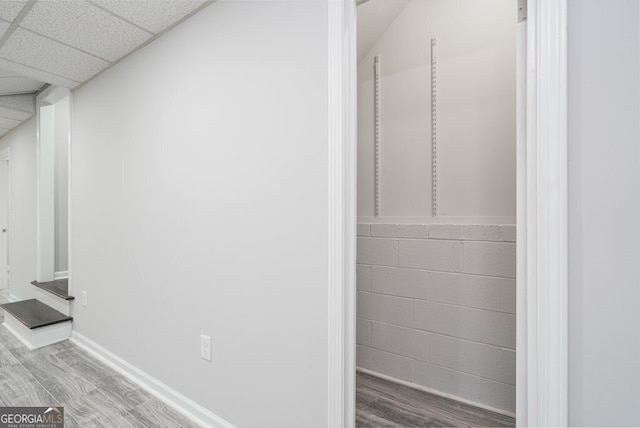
543,239
46,116
7,217
342,212
542,218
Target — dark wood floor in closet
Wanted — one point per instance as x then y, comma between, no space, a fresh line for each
381,403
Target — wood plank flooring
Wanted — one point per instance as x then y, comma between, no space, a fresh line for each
92,394
381,403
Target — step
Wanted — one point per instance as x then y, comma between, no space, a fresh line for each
35,323
59,288
34,314
55,294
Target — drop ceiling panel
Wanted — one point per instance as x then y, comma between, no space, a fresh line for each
4,26
16,85
10,9
68,42
86,27
25,103
151,15
9,73
36,74
14,114
7,123
39,52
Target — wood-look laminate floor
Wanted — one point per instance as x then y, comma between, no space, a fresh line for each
92,394
381,403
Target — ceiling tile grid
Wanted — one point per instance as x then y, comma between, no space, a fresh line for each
23,103
152,15
9,10
14,110
68,42
4,26
85,27
34,50
9,113
34,73
17,85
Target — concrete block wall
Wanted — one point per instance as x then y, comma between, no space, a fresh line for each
436,308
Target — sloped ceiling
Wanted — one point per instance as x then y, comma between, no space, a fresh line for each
374,17
66,43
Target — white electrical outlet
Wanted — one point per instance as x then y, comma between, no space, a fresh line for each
205,347
84,299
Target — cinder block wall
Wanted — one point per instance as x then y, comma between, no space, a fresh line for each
436,307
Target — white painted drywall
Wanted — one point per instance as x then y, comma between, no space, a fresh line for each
374,17
476,111
604,208
200,180
61,202
22,225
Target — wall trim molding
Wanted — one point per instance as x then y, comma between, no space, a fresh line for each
44,105
342,212
61,275
546,233
170,396
521,219
5,275
435,392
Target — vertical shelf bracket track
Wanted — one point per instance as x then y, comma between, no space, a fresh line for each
434,133
376,133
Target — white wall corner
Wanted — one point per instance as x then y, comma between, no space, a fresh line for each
546,224
342,211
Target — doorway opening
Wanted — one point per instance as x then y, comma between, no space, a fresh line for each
53,107
436,251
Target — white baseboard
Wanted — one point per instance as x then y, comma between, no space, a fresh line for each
436,392
13,298
61,275
37,337
173,398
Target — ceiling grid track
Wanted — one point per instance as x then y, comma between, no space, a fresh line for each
16,22
92,3
68,44
64,44
39,69
151,39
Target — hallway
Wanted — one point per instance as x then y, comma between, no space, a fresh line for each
92,394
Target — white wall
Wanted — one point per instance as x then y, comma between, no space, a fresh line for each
604,208
61,201
476,111
199,183
22,227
